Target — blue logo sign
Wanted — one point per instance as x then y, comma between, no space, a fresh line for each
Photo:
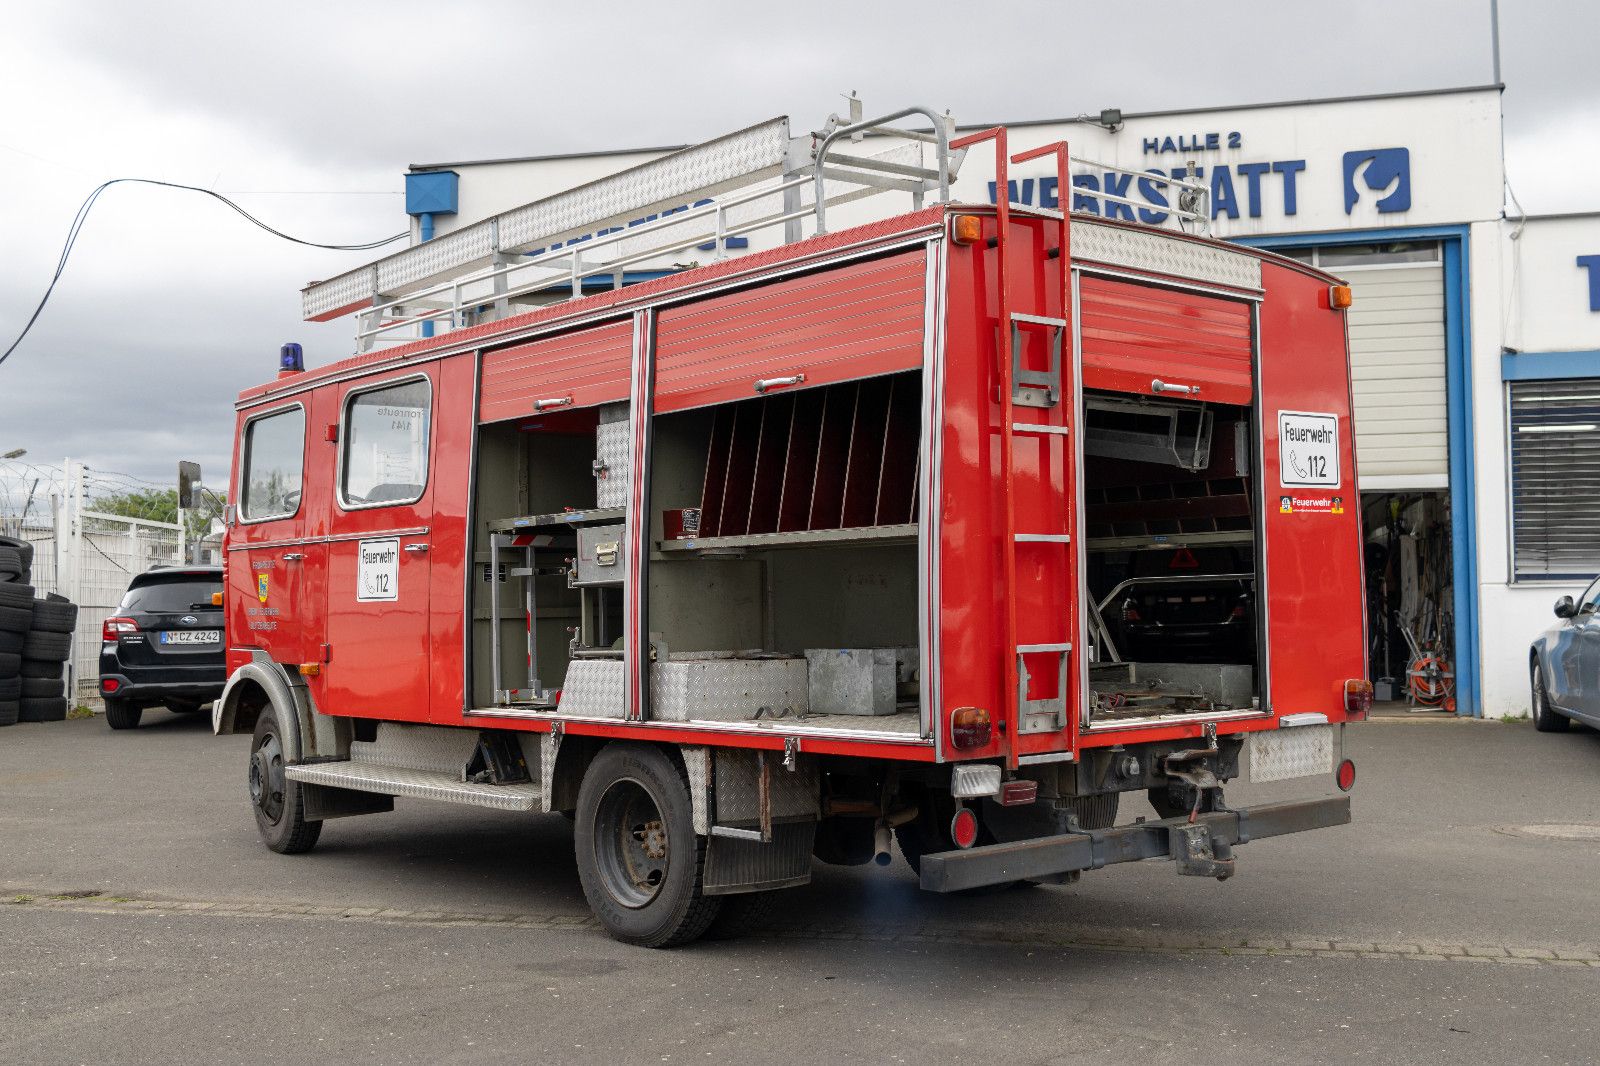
1591,263
1379,168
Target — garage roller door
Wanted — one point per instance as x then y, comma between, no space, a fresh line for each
1397,365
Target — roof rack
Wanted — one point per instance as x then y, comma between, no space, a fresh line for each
761,177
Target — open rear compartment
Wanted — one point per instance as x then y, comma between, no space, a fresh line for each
1173,560
783,576
783,562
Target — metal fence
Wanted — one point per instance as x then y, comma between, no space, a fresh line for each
88,556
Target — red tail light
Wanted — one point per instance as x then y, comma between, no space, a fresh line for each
109,684
112,628
970,727
1346,776
1019,792
1358,695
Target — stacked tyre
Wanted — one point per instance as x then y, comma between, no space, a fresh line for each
16,618
40,632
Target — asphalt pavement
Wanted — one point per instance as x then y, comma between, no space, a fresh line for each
141,920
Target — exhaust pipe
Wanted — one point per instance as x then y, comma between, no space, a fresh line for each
882,838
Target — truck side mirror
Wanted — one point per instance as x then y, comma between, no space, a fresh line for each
188,479
1565,608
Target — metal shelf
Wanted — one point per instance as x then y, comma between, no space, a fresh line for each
1158,541
561,519
905,533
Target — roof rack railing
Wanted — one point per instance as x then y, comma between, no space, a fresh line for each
760,177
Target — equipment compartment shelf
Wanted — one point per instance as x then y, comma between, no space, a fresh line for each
903,533
562,519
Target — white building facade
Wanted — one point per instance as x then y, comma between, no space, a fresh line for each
1475,340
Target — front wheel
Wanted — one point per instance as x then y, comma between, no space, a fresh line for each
639,859
120,714
278,804
1545,720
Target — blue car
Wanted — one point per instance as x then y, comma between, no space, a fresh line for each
1565,665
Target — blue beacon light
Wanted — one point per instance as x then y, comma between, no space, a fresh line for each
291,359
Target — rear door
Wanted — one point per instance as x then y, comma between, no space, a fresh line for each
379,544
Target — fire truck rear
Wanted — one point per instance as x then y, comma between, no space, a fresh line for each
943,529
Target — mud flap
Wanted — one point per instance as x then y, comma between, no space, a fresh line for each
1197,853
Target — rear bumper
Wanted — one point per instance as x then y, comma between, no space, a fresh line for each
1045,857
136,688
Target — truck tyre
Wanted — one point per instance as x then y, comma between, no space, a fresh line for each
743,914
10,564
1545,720
10,665
11,641
639,859
32,667
10,711
38,686
15,619
277,801
121,714
15,595
23,548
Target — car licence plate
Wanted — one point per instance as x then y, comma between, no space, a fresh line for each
191,636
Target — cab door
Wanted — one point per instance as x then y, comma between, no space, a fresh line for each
268,544
379,549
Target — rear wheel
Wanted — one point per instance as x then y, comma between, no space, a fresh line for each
1545,720
121,714
639,859
277,801
743,914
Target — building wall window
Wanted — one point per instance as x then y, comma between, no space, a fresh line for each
1555,479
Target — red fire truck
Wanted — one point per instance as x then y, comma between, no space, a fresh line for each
790,555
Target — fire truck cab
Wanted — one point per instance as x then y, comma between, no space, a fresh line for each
784,556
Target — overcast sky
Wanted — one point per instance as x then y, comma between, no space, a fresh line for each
308,113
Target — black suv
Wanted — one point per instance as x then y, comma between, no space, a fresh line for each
164,645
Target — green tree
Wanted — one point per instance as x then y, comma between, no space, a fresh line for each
160,505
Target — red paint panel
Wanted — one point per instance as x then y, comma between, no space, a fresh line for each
591,366
854,321
1133,334
1315,590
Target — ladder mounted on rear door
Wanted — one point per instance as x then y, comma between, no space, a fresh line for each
1052,394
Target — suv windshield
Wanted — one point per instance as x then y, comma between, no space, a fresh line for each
188,594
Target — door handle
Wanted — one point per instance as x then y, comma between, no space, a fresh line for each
416,547
293,557
776,383
1166,386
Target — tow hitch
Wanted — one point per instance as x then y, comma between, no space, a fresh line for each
1196,852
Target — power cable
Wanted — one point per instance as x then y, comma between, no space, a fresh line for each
83,213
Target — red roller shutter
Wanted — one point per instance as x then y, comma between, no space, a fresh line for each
591,366
1134,334
851,322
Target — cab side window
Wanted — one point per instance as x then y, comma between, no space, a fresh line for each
274,452
385,459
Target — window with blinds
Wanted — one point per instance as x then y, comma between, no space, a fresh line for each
1555,478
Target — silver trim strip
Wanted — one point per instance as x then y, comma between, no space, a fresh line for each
413,531
910,740
1163,282
470,537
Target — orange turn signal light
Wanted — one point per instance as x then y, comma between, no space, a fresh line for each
966,229
216,599
1340,297
310,669
970,727
1358,695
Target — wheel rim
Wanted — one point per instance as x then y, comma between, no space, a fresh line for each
632,849
266,778
1538,696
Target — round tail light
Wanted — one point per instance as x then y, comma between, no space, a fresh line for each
1346,775
964,828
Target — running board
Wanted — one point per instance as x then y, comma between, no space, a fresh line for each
419,784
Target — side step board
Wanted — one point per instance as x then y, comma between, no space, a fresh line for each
995,864
423,762
421,784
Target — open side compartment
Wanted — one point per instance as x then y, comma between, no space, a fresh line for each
783,577
1173,559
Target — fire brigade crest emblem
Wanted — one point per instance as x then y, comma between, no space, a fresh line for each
261,587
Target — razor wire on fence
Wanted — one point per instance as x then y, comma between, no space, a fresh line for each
92,531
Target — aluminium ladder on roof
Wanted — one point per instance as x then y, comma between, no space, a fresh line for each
761,177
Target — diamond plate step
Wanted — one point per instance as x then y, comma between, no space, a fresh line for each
421,784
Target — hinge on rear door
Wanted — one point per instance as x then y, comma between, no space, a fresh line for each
327,653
